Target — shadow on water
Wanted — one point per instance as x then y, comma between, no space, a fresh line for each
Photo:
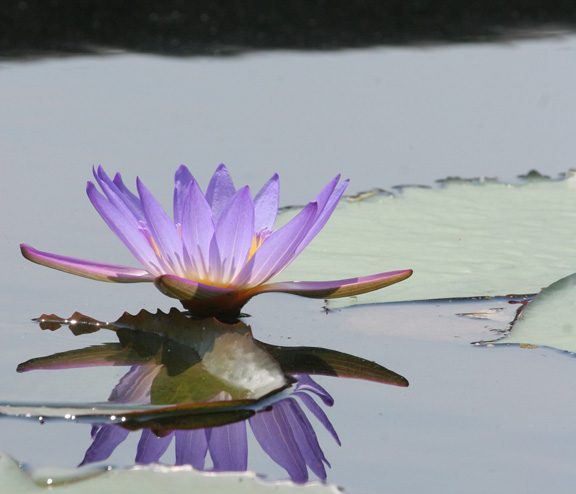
33,28
202,384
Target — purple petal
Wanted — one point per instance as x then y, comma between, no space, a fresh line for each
274,253
266,205
131,200
319,414
324,212
220,190
305,437
228,447
214,271
197,230
120,197
184,289
191,448
326,193
127,229
182,180
105,442
274,434
338,288
163,231
234,234
88,269
151,447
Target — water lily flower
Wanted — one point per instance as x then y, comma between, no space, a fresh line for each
220,248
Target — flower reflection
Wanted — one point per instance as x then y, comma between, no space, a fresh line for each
283,431
220,248
200,383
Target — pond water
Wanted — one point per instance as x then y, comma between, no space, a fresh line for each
474,418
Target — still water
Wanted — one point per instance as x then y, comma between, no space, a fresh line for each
473,418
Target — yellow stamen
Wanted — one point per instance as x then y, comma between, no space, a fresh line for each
256,243
154,246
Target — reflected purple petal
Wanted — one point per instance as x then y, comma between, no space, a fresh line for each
191,448
228,446
274,434
151,447
105,441
306,438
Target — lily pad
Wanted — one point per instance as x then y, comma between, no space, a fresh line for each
143,480
463,239
549,319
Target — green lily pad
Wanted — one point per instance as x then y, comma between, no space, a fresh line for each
463,239
549,319
143,480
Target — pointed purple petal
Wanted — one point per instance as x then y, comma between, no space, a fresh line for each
105,442
164,232
191,448
228,447
120,197
214,271
151,447
234,234
324,214
325,194
88,269
220,190
274,253
266,205
338,288
131,199
197,230
126,228
184,289
274,434
182,180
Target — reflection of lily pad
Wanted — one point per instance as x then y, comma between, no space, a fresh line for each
549,319
186,373
464,239
201,358
143,480
232,364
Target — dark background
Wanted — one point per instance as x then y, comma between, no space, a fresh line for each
184,27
